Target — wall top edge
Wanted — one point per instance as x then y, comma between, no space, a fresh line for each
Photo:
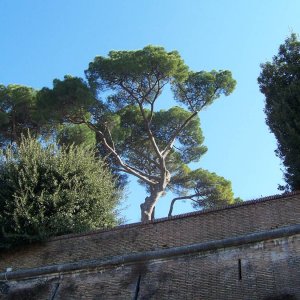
180,216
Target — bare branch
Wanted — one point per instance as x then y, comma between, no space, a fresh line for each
110,137
182,198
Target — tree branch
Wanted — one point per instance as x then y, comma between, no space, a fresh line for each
128,169
181,198
149,132
146,121
110,137
176,133
147,157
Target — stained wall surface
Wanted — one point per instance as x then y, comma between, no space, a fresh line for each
238,267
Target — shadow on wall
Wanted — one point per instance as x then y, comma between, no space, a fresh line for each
281,297
41,290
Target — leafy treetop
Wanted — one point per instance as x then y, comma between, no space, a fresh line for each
17,113
118,104
279,81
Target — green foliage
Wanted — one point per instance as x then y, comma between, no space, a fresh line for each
279,81
208,190
17,113
134,137
139,71
189,140
76,134
71,98
202,88
133,143
52,191
114,111
203,188
213,190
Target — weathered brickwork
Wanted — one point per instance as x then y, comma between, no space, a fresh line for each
241,269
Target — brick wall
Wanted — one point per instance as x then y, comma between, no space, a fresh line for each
269,269
253,216
256,270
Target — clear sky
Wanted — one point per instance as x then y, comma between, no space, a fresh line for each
43,40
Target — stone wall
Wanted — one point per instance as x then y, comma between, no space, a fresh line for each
246,251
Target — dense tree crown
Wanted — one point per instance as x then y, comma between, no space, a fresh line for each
118,104
279,81
52,191
205,190
17,113
116,110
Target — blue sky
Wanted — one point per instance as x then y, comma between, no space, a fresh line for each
43,40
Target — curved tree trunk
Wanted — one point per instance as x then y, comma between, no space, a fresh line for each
147,208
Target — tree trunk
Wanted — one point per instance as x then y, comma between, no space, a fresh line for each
148,206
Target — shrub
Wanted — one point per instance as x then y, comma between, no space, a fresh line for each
49,191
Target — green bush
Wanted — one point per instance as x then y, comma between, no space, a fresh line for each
49,191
